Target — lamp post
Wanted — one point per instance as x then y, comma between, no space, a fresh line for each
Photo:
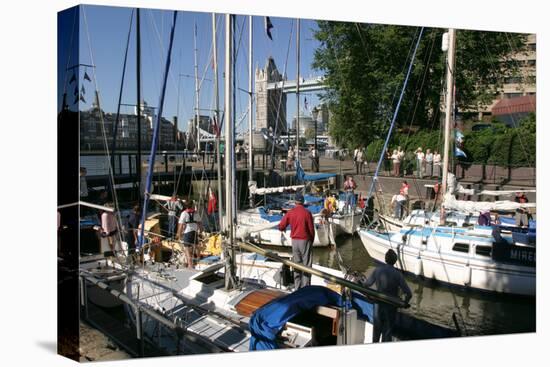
315,114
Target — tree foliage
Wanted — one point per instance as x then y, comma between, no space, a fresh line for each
365,66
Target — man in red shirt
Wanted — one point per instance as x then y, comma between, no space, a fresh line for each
302,233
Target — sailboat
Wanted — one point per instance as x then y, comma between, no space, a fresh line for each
449,246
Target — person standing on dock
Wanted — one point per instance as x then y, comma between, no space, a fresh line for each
437,164
358,160
429,163
396,163
302,234
189,225
314,156
388,280
290,159
174,207
419,162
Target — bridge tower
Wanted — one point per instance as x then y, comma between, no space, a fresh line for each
268,102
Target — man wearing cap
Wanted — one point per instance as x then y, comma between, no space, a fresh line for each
302,234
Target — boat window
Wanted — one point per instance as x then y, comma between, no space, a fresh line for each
461,247
483,250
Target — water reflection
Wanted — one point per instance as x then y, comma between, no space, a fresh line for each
477,313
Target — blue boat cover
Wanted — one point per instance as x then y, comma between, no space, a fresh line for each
301,175
267,321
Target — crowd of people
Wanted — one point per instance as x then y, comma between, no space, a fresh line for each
399,163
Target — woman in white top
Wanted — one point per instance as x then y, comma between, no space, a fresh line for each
437,164
419,162
396,159
429,163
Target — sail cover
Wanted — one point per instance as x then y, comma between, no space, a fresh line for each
253,188
301,176
450,202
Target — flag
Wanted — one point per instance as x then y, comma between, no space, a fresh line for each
305,103
82,90
82,98
76,90
459,153
268,26
73,78
87,77
75,100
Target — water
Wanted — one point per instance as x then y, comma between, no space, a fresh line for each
477,313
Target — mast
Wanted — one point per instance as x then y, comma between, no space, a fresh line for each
138,103
298,88
250,102
154,142
448,116
217,117
197,113
229,154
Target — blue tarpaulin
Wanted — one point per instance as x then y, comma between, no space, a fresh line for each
267,321
301,176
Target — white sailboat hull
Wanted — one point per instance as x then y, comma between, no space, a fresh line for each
433,257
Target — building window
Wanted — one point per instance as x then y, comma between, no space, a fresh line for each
532,47
512,95
531,62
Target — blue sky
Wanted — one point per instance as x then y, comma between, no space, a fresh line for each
103,34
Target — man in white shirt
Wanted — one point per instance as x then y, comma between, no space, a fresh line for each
189,225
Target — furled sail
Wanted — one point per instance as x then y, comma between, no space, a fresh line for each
450,202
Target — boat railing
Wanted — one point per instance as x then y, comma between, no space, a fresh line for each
372,294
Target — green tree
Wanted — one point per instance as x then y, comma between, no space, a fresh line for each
365,66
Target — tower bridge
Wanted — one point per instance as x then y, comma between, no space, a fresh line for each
271,95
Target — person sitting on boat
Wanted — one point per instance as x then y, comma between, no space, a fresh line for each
109,228
349,188
331,205
302,234
484,218
522,214
189,225
173,206
388,280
